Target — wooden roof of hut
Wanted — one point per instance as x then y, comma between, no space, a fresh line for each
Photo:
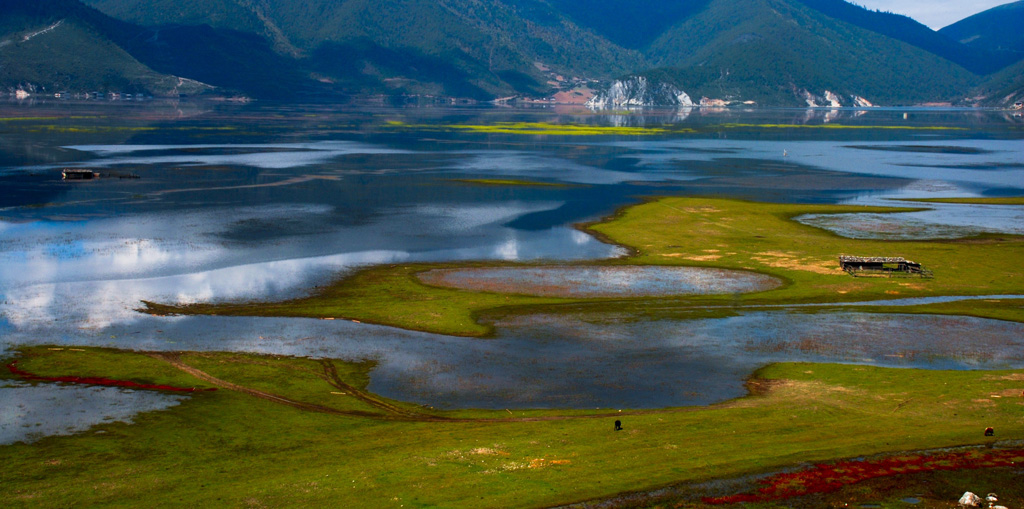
844,259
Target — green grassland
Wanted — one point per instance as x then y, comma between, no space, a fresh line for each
281,432
763,237
731,234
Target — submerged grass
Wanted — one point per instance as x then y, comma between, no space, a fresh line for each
229,448
997,309
510,183
706,232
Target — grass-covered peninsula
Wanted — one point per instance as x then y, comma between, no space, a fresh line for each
702,232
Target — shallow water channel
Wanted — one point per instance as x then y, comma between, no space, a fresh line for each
265,202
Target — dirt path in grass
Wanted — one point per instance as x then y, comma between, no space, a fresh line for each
175,360
389,410
331,375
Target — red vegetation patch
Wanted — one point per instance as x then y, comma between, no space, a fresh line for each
825,478
95,380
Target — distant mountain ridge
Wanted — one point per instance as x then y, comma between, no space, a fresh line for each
469,48
37,37
773,52
786,51
905,29
997,29
90,51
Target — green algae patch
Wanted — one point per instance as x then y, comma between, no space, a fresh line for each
1009,200
233,447
697,232
540,129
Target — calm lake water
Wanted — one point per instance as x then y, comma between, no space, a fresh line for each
595,282
263,202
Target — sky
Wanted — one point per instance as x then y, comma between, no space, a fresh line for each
934,13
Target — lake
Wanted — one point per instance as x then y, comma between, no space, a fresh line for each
201,202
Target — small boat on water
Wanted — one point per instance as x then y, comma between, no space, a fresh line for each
78,174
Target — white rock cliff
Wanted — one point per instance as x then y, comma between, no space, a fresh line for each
638,91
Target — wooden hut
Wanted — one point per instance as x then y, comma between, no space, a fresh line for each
881,266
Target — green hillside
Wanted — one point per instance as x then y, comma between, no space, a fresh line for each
774,52
999,28
53,50
977,59
770,50
631,24
232,60
475,48
1003,88
216,13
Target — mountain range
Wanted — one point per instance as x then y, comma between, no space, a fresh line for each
772,52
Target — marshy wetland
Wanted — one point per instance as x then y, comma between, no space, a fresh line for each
475,294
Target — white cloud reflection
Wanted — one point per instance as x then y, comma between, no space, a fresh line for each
532,166
60,276
30,412
993,165
270,156
98,304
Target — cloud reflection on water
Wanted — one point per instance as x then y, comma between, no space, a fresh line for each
30,412
67,275
545,167
585,361
850,158
268,156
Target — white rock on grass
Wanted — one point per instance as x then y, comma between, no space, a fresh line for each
970,500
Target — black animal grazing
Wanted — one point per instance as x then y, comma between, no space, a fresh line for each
618,425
